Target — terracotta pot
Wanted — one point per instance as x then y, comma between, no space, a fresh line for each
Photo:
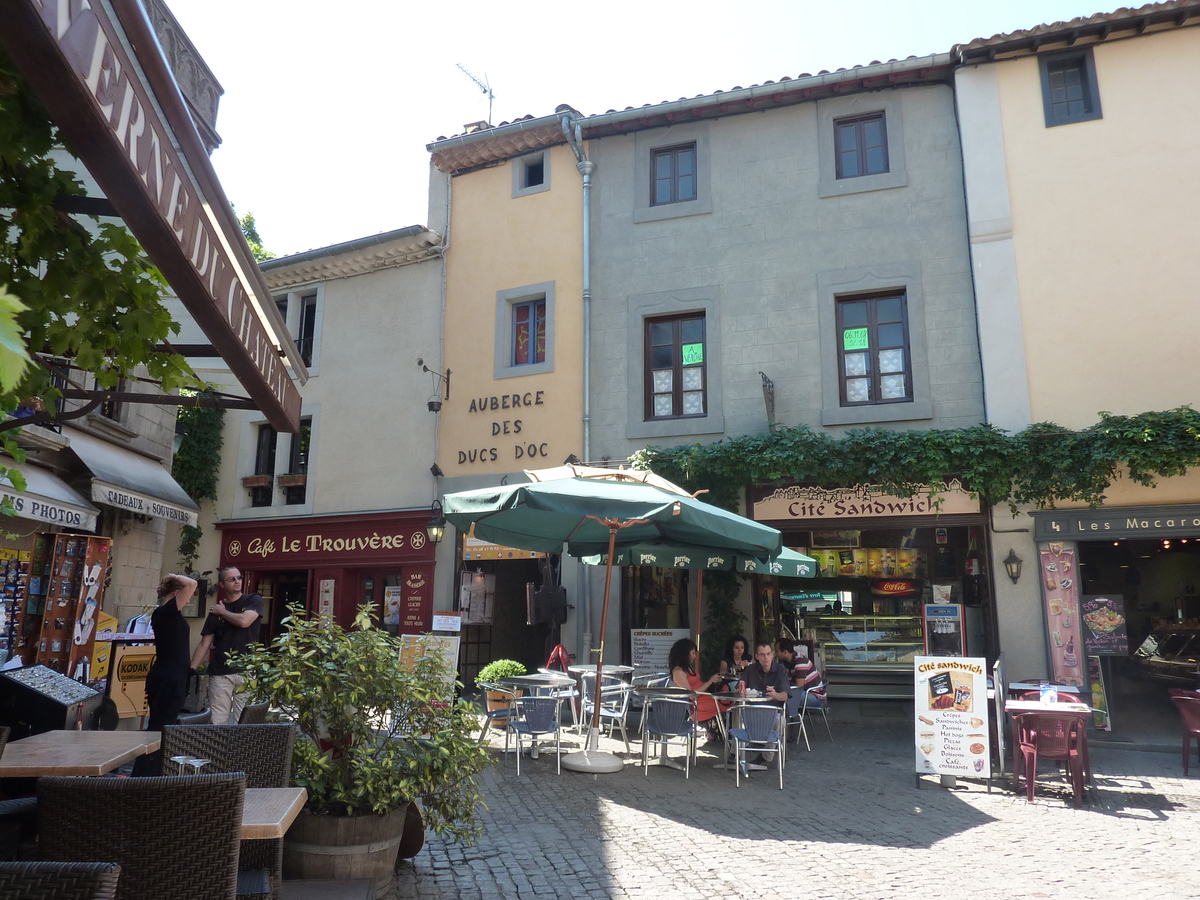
256,481
286,481
345,847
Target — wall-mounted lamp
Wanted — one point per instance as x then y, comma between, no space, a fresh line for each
1012,565
438,377
436,526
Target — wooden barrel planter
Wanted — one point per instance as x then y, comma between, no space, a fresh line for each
499,700
345,847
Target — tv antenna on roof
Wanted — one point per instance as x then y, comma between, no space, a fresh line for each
483,86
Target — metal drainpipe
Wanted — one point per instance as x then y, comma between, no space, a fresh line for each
574,135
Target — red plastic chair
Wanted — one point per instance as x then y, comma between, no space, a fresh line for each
1048,736
1189,709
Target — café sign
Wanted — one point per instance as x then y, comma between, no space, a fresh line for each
1117,523
99,71
864,501
304,543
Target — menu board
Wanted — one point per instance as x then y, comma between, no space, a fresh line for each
413,646
650,647
951,724
1104,631
1059,571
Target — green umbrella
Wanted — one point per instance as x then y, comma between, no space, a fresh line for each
587,515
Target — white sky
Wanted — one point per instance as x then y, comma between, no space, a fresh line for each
328,106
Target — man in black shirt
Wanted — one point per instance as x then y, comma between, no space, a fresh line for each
233,623
767,676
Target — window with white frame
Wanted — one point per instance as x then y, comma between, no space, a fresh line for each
301,312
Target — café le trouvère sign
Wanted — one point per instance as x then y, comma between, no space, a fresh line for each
308,547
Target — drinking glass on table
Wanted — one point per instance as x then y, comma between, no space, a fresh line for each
197,764
180,761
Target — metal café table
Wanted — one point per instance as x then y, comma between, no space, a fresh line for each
606,669
74,752
538,681
268,812
667,692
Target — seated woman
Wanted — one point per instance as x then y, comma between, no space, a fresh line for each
737,656
681,662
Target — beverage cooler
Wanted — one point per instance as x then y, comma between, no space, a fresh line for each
945,630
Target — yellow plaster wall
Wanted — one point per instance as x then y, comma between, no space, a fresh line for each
1167,491
1105,232
499,242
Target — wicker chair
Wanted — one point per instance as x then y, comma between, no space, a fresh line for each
201,718
254,713
264,753
58,880
18,818
151,827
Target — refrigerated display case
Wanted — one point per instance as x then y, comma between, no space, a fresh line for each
868,656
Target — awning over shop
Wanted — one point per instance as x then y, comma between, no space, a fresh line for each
126,480
47,498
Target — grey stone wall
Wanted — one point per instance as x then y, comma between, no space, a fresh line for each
764,254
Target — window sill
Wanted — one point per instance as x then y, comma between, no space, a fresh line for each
883,412
657,428
110,428
696,207
861,184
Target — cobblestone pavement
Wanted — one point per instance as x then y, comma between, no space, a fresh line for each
851,823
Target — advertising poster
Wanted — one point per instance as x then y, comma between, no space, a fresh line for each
951,724
649,648
391,604
131,665
476,598
416,602
1100,713
1059,571
413,646
1104,631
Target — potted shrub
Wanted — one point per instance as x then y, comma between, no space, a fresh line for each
491,673
374,735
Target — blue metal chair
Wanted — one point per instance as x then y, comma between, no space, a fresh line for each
504,710
795,708
614,702
665,719
569,693
535,716
759,731
815,698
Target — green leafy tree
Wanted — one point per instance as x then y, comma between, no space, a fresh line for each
88,291
196,465
250,230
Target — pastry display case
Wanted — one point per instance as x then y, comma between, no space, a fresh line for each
868,656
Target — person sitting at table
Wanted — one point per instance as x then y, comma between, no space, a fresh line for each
805,677
737,656
681,662
767,676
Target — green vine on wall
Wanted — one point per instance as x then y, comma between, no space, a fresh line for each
196,467
1041,466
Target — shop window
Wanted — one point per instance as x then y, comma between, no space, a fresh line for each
524,342
1069,89
300,311
673,175
264,466
295,483
529,332
675,368
531,174
861,146
873,352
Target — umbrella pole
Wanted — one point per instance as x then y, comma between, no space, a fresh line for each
699,608
593,759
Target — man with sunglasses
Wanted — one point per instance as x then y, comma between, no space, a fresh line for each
232,625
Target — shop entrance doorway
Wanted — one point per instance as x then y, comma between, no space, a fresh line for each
279,590
1155,582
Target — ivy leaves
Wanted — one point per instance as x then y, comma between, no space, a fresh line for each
90,292
1042,465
